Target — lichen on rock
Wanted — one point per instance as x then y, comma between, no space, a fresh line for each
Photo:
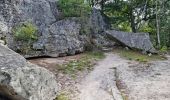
28,80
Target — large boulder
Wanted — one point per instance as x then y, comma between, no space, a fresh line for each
101,40
28,80
64,38
56,37
139,41
41,13
98,21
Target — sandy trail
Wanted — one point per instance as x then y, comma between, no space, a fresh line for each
100,84
136,81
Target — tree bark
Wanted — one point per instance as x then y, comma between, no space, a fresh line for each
157,24
132,21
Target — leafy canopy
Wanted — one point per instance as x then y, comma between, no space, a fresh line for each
74,8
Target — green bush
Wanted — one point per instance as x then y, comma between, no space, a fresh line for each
73,8
25,32
164,49
62,97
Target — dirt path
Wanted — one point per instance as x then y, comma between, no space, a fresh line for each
136,81
145,81
100,84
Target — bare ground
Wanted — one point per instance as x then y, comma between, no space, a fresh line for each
145,81
115,78
100,84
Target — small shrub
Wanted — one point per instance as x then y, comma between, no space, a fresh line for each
62,97
25,32
164,49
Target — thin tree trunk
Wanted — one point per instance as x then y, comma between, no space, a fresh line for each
102,5
157,24
132,21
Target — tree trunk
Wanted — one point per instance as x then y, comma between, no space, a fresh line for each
157,24
102,5
132,21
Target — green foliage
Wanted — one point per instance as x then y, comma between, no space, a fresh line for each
25,32
164,49
140,16
147,28
74,8
123,26
96,55
85,62
62,96
164,14
129,15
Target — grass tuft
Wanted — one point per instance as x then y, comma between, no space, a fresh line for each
62,96
138,56
87,61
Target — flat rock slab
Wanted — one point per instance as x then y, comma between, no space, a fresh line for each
139,41
145,81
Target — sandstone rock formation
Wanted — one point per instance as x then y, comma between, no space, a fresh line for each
139,41
28,80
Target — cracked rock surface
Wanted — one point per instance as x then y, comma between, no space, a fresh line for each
28,80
